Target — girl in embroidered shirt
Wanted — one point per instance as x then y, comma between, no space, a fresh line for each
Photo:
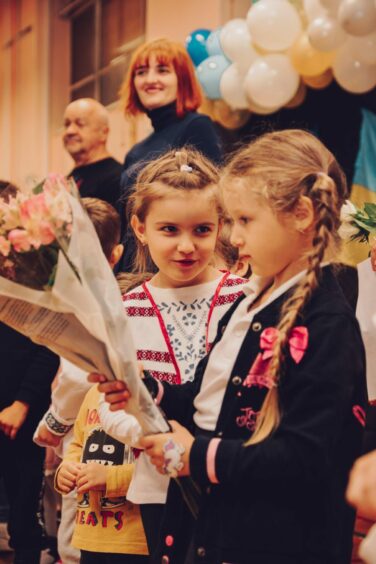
275,494
175,213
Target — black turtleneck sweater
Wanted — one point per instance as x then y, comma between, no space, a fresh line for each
170,132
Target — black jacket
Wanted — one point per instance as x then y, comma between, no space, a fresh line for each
26,373
100,179
280,501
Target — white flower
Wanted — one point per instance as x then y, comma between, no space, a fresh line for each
347,230
347,212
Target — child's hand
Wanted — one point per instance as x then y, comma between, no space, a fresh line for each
12,418
170,450
51,461
116,393
361,491
45,436
67,476
92,476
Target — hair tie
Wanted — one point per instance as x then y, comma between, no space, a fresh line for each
185,168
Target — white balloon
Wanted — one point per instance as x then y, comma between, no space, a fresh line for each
232,88
331,5
357,17
325,34
313,9
236,43
351,73
271,81
274,24
260,110
364,48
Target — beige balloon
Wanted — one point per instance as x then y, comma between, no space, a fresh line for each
307,60
320,81
229,118
299,97
260,110
207,107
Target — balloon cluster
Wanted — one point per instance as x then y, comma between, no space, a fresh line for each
266,61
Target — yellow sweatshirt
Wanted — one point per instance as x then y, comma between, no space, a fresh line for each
105,521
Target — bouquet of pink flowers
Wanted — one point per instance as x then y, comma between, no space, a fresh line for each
35,225
57,288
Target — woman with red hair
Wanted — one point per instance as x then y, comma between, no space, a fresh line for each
161,83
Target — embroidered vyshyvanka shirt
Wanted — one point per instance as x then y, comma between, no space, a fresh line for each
172,330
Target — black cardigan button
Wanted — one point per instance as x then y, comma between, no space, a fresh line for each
256,326
236,380
201,552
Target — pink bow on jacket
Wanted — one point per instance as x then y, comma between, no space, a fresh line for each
298,342
258,374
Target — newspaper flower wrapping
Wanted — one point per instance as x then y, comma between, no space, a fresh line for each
57,288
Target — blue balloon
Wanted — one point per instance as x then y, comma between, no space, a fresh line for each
209,73
213,43
196,45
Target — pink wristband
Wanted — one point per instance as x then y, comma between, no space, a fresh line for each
210,460
160,393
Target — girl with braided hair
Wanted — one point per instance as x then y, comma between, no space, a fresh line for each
273,419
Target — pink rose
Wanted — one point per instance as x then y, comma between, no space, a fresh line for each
20,239
4,246
46,233
33,208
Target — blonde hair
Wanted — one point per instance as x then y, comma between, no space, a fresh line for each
182,170
290,164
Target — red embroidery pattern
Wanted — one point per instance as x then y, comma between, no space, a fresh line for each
229,299
164,376
134,311
360,414
135,296
247,419
234,282
153,355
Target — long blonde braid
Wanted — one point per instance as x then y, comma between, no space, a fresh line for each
292,164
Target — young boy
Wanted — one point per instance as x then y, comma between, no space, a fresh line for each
101,526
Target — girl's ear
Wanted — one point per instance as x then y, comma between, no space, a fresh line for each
139,229
304,214
116,253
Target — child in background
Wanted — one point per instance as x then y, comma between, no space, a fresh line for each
176,216
27,371
56,427
273,419
108,528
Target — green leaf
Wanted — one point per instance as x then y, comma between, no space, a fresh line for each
370,209
39,187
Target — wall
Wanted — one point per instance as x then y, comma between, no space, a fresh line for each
34,70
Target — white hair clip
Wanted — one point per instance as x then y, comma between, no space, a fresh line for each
185,168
